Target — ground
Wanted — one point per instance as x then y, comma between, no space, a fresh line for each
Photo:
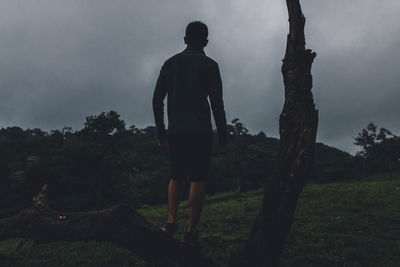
356,223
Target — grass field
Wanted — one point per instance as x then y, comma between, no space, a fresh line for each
339,224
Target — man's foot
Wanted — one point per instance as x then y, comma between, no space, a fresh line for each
191,239
170,228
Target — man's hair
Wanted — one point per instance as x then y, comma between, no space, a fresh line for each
196,33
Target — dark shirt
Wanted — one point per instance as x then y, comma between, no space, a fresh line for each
189,78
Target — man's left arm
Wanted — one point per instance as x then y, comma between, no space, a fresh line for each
160,92
217,106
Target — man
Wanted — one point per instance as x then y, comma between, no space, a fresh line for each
189,78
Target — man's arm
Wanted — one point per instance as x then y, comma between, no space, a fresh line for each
217,106
160,92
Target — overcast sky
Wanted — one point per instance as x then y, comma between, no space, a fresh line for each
61,61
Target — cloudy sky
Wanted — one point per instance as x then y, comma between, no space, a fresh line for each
61,61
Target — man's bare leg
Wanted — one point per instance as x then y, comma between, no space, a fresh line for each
196,200
174,194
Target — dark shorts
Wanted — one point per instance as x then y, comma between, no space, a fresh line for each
190,155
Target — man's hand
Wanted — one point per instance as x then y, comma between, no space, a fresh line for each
162,142
223,149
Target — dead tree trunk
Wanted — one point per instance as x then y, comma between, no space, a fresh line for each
297,128
119,224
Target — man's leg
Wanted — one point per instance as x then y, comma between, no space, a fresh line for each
196,200
174,194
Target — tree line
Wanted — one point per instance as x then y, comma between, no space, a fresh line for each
107,162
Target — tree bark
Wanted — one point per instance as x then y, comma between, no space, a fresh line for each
118,224
297,128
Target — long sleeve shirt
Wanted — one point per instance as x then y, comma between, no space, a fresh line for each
189,78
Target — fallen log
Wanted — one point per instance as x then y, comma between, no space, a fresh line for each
119,224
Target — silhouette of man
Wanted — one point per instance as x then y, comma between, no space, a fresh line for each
188,78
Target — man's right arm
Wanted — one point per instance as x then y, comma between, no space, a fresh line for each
217,105
160,92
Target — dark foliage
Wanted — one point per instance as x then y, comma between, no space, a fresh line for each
380,149
106,163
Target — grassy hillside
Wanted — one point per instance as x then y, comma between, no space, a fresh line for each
338,224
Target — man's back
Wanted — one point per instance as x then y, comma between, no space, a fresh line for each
188,78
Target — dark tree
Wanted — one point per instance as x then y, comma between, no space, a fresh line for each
297,128
380,149
105,123
366,139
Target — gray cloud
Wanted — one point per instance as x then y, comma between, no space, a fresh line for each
63,60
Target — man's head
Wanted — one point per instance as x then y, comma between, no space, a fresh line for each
196,34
